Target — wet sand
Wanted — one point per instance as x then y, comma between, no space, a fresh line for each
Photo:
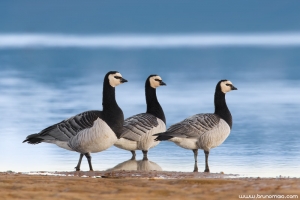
140,185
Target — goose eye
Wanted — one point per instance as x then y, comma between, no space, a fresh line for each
158,80
227,84
117,77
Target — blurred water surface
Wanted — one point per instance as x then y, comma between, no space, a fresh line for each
40,87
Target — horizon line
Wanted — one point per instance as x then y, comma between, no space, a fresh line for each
149,41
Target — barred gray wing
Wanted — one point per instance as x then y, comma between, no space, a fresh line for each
193,126
68,128
134,127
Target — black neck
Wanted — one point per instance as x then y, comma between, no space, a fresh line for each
153,106
112,113
109,98
221,108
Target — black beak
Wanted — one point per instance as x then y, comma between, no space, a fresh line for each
162,83
233,88
123,80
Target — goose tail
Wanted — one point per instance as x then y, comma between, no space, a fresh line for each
33,139
162,137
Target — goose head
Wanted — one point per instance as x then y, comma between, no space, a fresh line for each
226,86
155,81
115,78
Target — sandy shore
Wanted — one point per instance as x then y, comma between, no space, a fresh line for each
140,185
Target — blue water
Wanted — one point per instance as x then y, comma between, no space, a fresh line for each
42,84
41,87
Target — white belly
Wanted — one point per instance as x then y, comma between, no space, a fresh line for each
207,140
63,144
187,143
147,139
214,137
95,139
125,144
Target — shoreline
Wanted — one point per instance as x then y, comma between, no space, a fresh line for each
140,185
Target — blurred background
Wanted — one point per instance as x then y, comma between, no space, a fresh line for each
54,55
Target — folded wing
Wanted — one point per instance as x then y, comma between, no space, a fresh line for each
66,129
194,126
136,126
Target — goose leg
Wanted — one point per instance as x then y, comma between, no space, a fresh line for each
195,167
206,161
195,156
133,155
79,162
89,158
145,155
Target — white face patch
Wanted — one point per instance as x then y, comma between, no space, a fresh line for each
153,82
226,86
113,81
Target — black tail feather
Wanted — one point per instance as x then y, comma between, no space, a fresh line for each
33,139
162,137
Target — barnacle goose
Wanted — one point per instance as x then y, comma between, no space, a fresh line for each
91,131
203,131
138,130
